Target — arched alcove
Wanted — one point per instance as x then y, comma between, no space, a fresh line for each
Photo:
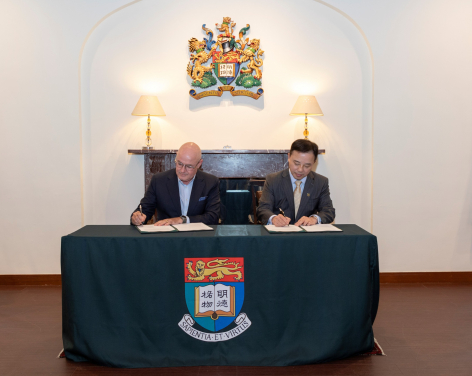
142,49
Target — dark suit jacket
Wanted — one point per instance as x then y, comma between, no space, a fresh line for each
278,193
163,195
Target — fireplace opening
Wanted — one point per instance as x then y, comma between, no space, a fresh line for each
238,200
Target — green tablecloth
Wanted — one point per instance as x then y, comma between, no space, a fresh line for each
310,297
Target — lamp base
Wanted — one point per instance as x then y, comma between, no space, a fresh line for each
147,148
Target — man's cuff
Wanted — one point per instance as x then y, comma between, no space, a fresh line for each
188,219
269,222
317,217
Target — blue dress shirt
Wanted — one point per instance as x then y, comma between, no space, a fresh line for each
185,191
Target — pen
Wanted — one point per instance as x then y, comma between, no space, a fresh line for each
282,212
141,211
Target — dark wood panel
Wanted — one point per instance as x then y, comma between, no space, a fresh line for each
30,279
410,277
426,277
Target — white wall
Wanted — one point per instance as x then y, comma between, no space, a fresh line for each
422,125
141,50
423,131
39,141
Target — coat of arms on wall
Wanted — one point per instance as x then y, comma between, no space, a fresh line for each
236,62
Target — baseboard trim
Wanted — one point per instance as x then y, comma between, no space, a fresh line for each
31,279
426,277
406,277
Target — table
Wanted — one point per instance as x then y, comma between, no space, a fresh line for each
308,297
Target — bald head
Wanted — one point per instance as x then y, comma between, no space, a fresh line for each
190,150
189,154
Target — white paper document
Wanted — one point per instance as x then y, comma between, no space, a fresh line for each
320,228
152,228
198,226
289,228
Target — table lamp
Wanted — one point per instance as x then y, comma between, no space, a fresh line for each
148,105
306,105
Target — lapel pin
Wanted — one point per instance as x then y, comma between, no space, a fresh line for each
308,194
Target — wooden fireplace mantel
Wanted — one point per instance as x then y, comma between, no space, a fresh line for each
224,163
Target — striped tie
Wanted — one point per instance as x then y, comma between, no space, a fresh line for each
297,195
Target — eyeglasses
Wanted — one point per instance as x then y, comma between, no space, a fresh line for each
181,165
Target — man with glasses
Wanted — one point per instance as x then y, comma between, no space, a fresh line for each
181,195
297,195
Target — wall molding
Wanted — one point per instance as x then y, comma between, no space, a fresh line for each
30,280
81,137
371,53
426,277
403,277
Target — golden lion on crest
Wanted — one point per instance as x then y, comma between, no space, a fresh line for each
200,57
220,267
252,53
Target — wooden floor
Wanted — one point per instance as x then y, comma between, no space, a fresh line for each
425,329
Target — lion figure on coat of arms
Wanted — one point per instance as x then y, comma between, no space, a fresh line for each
220,267
253,54
200,57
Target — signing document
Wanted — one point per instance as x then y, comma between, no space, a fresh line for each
320,228
292,228
198,226
146,229
289,228
150,229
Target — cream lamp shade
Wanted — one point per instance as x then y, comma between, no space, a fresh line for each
148,105
306,105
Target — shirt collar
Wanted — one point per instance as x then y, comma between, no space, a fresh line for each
191,181
294,180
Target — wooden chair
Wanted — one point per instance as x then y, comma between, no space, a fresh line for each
256,191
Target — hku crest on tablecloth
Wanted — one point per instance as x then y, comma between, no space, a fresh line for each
214,293
228,56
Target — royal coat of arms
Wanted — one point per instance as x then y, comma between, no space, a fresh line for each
214,293
233,61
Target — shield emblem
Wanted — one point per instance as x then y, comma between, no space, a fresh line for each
226,66
214,290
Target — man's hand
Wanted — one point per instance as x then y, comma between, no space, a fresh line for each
169,221
137,218
307,221
280,221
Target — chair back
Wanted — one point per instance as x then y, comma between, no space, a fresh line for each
256,191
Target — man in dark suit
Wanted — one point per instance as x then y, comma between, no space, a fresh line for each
302,194
181,195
